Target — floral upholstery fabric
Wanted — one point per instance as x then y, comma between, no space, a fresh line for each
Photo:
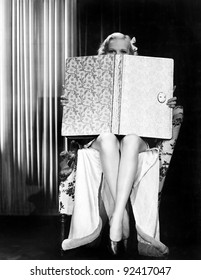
166,147
68,165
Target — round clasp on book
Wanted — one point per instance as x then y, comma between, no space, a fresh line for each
161,97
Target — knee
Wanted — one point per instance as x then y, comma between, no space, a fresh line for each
107,140
131,142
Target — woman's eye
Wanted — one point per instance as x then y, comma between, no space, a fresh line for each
123,51
112,51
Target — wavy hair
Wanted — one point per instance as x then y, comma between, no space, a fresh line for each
103,49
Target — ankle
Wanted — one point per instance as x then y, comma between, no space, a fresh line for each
116,229
126,226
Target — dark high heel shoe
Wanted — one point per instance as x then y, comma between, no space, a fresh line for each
125,242
116,248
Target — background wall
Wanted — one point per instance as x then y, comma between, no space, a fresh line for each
168,28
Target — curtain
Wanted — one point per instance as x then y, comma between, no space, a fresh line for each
36,37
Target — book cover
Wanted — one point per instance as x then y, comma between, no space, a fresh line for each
121,94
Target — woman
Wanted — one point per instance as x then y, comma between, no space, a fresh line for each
119,155
120,158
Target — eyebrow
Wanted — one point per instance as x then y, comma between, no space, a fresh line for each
111,49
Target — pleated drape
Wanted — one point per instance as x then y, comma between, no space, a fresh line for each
36,37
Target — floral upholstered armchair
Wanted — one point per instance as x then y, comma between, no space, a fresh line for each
68,168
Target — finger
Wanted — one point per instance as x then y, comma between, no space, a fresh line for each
63,103
172,104
63,97
172,100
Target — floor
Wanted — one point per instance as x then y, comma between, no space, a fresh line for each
38,238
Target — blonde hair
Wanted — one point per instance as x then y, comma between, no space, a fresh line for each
103,49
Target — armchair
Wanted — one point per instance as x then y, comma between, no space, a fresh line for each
68,177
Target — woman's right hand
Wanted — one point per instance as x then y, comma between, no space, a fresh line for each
63,98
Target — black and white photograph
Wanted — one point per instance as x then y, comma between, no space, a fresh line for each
100,128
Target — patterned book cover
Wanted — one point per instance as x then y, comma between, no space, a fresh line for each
89,85
147,84
118,93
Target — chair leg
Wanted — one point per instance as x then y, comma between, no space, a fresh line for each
63,218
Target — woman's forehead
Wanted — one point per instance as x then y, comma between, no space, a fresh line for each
119,43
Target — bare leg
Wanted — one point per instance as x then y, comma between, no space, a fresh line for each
131,146
109,149
108,146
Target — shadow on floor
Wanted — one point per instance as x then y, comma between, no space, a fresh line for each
38,238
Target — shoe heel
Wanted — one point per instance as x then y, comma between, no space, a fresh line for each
125,242
116,248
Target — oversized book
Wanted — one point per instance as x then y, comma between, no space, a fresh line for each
122,94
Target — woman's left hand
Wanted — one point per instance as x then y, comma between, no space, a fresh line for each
172,102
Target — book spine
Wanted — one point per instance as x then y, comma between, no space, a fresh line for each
117,94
